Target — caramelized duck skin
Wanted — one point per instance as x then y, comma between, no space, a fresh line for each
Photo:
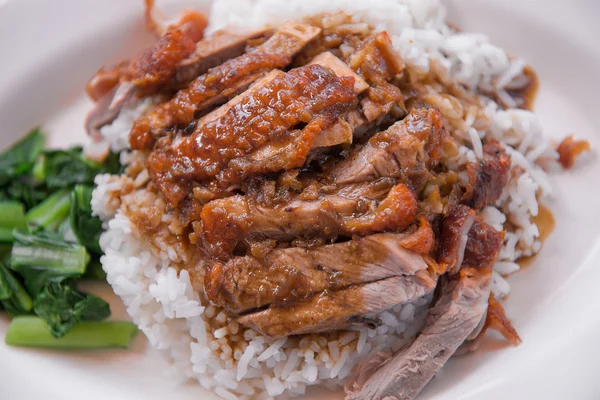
268,112
569,149
277,52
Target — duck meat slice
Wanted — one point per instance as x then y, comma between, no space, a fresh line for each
488,176
353,210
287,275
111,84
408,149
268,112
453,319
335,310
183,108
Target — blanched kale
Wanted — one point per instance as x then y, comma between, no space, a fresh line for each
20,158
62,307
85,227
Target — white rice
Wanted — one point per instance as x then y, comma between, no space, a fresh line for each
238,363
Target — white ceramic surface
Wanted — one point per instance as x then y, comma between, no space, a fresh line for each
49,48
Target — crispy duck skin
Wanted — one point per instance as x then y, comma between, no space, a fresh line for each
261,114
277,52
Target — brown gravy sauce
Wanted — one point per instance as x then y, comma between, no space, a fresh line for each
545,222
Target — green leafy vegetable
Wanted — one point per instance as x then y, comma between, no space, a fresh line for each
65,168
63,307
52,211
19,159
12,215
24,192
6,290
43,256
19,302
31,331
94,271
85,227
46,231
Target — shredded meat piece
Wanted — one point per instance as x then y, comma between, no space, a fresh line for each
423,240
488,177
263,115
569,149
277,52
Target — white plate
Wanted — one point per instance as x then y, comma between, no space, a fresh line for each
48,50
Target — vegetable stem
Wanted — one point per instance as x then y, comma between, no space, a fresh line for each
22,300
29,331
12,215
51,212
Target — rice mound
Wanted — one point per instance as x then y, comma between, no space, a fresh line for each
237,362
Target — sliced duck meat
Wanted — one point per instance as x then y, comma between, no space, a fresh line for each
105,80
376,62
349,211
288,275
454,236
335,310
488,177
450,321
267,113
224,80
327,131
107,109
408,149
213,51
139,77
456,315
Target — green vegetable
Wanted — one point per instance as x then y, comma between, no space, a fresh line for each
38,171
43,256
85,227
19,301
6,290
44,197
12,215
65,168
63,307
94,271
24,192
19,159
31,331
52,211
